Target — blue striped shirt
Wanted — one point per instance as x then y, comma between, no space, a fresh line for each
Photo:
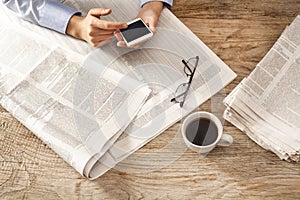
51,14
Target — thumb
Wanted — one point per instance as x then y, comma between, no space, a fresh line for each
153,29
152,24
97,12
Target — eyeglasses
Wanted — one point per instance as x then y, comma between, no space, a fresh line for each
190,66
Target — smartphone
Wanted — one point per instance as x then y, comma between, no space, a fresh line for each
136,32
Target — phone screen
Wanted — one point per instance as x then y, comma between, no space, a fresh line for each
134,31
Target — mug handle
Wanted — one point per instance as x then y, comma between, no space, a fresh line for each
225,140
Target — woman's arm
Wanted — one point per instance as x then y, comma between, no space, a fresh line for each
151,10
47,13
55,15
167,2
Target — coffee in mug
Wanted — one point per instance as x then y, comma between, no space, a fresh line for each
203,131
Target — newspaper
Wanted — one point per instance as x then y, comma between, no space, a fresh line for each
156,65
160,66
265,105
39,86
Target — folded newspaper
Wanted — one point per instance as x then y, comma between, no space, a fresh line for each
266,104
96,106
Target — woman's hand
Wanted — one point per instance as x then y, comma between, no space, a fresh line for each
92,29
150,13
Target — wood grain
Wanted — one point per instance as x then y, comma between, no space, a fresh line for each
240,33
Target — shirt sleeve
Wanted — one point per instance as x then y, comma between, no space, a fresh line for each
168,2
47,13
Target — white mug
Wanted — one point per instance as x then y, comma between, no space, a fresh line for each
222,139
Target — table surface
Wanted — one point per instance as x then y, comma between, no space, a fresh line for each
240,33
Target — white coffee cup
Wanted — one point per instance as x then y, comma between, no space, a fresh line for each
221,140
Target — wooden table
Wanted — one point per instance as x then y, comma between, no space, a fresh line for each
240,33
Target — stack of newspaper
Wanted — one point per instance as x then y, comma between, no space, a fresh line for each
96,106
266,104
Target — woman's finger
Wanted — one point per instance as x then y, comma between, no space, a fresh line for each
96,40
97,31
151,23
121,44
119,36
102,43
107,25
102,37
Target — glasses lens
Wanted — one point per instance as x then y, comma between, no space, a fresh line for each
180,92
190,65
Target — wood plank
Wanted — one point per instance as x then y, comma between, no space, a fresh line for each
241,33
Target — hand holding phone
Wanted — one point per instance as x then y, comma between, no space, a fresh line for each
136,32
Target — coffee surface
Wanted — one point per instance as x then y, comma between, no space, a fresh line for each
202,132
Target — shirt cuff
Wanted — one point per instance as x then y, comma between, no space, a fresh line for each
168,2
56,16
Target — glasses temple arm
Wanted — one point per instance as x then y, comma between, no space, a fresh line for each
185,63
